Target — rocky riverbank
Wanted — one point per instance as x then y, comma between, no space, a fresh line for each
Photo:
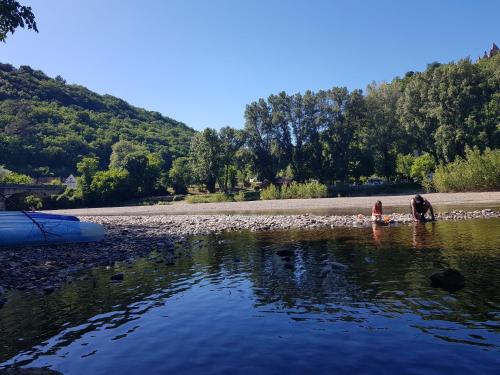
45,268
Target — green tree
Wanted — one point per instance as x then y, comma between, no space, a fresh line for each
206,158
383,131
231,140
14,15
404,165
422,166
258,127
180,175
343,114
120,150
144,172
87,168
111,186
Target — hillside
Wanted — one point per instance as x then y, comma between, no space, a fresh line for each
46,125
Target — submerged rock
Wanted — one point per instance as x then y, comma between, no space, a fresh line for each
117,277
450,280
285,253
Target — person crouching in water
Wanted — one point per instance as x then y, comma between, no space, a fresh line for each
419,207
377,212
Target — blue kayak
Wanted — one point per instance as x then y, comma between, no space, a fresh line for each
41,215
19,229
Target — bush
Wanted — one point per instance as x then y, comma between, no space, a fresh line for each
33,202
15,178
243,196
209,198
295,190
477,172
270,192
110,186
421,167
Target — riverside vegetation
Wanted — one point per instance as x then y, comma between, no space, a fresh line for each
119,152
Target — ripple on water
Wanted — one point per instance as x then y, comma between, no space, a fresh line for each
291,301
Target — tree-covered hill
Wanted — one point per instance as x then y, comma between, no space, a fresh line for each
47,125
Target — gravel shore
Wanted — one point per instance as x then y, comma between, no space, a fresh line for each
323,206
45,268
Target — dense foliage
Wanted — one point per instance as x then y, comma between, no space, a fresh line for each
399,130
47,126
477,171
295,190
341,135
14,178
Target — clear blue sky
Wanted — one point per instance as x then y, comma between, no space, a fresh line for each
202,61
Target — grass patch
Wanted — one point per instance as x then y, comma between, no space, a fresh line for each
209,198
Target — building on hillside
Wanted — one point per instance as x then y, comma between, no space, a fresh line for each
488,55
70,182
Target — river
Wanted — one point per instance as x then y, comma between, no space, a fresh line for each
345,300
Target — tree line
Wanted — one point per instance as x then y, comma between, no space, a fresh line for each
403,128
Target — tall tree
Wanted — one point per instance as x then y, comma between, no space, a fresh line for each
206,157
259,130
343,114
383,131
231,140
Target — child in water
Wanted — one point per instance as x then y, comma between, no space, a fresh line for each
377,212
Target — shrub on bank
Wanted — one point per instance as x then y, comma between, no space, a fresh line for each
209,198
477,172
270,192
243,196
15,178
295,190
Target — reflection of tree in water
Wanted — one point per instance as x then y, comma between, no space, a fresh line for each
392,276
290,271
300,275
36,318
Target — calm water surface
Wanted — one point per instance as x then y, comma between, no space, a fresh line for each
272,303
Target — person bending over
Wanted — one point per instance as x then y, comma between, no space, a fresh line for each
419,207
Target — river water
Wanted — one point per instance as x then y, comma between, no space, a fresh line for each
347,300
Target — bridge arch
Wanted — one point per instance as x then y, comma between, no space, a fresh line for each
7,190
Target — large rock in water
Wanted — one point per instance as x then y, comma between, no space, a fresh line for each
450,280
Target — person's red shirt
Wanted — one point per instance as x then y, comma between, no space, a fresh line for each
377,210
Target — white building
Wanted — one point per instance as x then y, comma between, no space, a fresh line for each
70,182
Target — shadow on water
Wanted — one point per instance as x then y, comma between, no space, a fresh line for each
350,298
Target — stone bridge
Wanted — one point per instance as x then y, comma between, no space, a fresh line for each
8,190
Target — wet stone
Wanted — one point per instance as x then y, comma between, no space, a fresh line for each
117,277
450,280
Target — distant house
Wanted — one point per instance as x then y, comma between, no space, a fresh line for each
70,182
493,51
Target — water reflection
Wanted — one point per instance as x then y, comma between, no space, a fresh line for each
260,297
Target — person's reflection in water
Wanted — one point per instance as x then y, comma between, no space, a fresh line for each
422,237
377,234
